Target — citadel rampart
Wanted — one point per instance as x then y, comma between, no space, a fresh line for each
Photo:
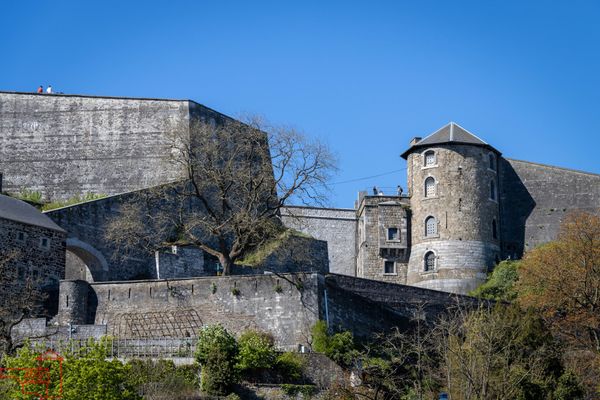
66,145
535,198
287,305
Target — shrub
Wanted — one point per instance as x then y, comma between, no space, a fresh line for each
216,352
256,351
290,366
307,391
339,346
233,396
162,379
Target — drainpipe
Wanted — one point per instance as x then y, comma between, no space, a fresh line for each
326,308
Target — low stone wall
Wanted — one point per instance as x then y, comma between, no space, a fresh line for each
285,305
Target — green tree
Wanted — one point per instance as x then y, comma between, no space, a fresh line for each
501,283
340,346
216,353
87,374
256,352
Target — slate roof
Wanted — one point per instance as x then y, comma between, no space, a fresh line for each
450,133
19,211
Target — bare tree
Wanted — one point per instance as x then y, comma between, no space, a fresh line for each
238,177
21,298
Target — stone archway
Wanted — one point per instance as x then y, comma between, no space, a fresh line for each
85,262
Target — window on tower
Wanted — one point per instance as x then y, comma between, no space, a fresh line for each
393,234
430,187
429,158
389,267
492,161
430,226
494,229
492,190
429,261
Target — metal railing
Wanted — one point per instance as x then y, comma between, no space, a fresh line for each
126,348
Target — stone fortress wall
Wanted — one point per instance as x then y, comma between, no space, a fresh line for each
287,305
67,145
535,199
336,226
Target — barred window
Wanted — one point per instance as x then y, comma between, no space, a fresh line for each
430,226
430,158
430,187
429,261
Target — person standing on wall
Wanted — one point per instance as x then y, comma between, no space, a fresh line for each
40,89
49,89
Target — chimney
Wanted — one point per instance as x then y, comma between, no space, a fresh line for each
415,140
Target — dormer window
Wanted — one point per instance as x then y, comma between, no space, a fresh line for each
429,158
430,187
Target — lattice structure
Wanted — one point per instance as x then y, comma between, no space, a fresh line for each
169,324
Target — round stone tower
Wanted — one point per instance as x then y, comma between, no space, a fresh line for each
455,225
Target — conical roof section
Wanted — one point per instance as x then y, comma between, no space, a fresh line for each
450,133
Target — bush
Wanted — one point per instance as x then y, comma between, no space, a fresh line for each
216,352
501,283
256,351
339,346
290,366
162,379
307,391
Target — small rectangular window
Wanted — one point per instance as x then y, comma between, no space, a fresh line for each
389,267
21,237
44,243
393,234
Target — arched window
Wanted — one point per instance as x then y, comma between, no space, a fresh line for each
429,158
492,190
430,187
430,226
494,229
429,261
492,161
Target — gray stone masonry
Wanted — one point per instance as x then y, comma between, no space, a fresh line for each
336,226
45,264
465,211
67,145
376,216
535,199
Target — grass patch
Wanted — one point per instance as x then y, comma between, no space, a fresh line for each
258,256
71,201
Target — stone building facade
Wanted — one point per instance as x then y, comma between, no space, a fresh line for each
67,145
467,208
32,246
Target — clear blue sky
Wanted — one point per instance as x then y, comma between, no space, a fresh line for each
364,76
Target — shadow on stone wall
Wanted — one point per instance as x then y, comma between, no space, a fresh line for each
516,205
